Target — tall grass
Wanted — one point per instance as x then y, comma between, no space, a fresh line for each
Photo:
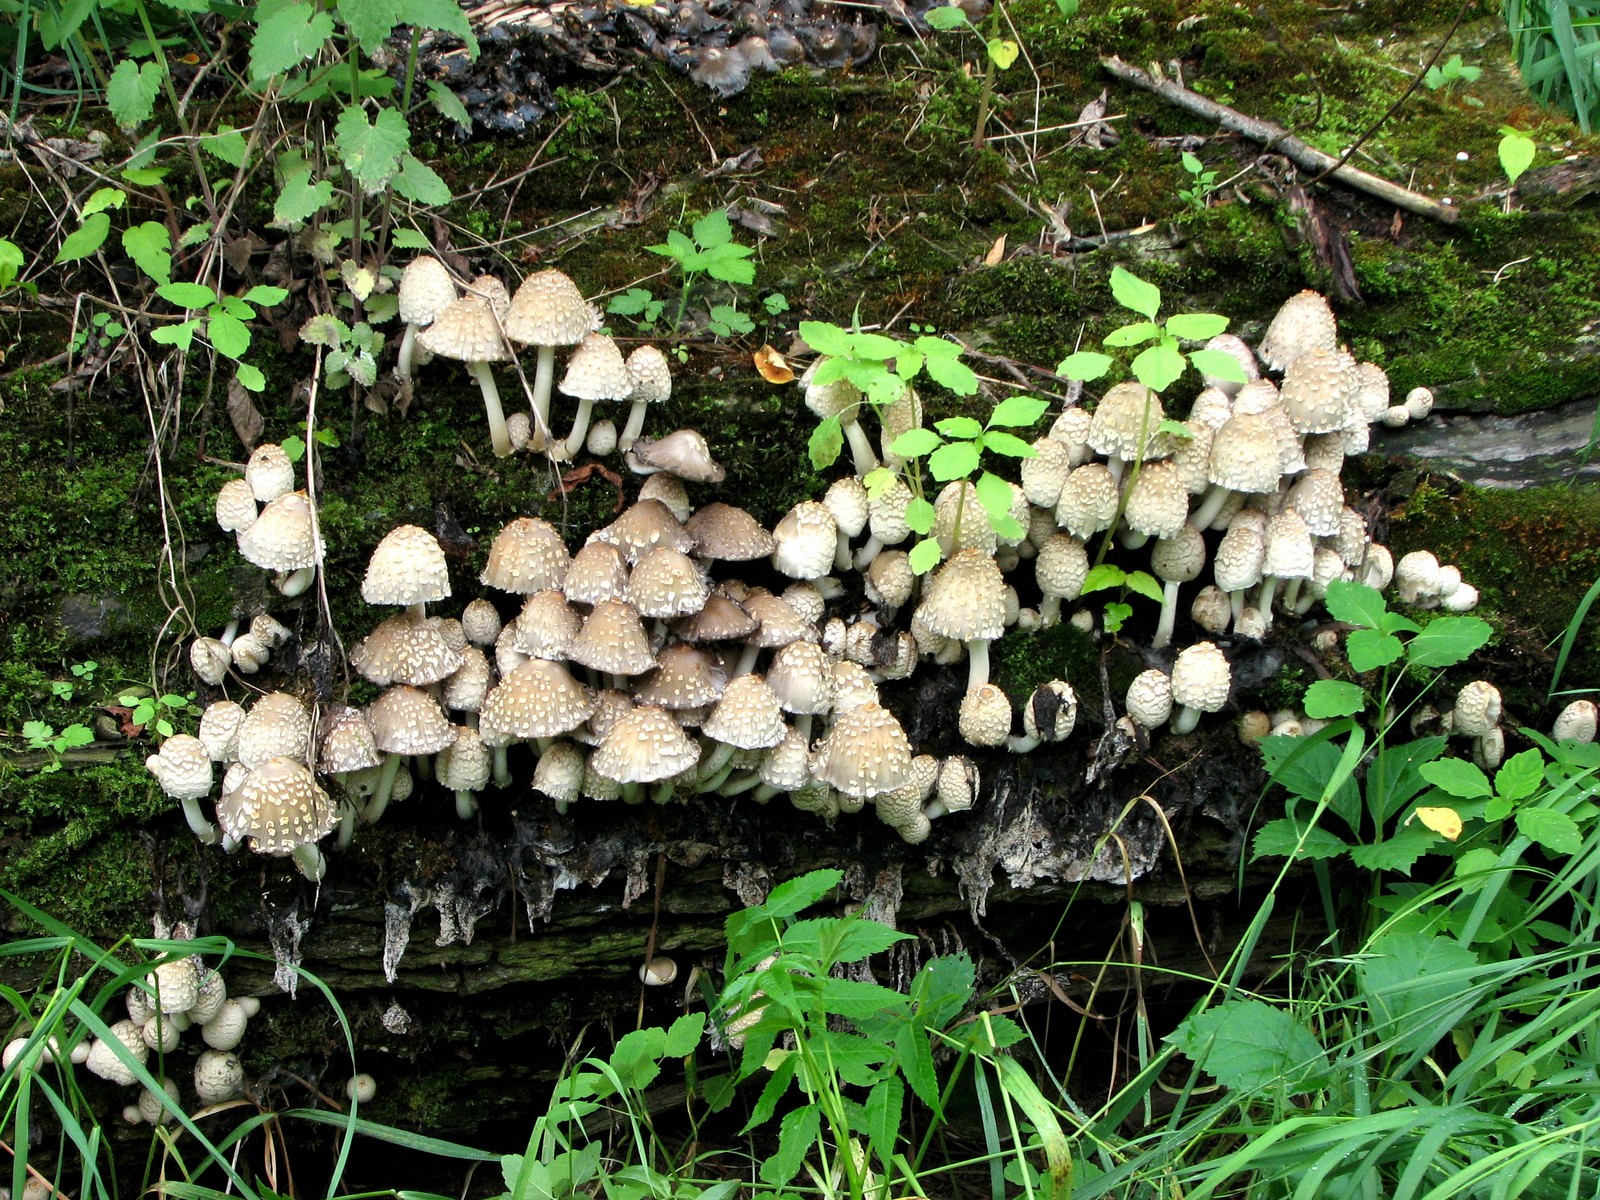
1556,44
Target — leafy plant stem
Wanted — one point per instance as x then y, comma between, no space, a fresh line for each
985,97
177,104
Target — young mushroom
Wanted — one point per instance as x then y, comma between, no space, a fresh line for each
468,331
548,311
426,290
596,371
652,383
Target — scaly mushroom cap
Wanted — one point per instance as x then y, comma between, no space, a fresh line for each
426,290
218,1076
670,491
405,649
269,473
527,556
1304,322
643,527
348,745
1235,346
1477,709
1417,578
840,398
219,730
960,498
666,583
1158,501
548,310
889,579
250,653
644,746
480,622
596,371
1089,500
466,690
276,725
1125,412
182,768
1318,389
852,686
1192,456
957,789
683,452
903,806
283,537
966,599
1290,550
1211,609
805,541
209,659
1212,407
559,774
467,330
747,716
1061,566
547,625
279,807
886,513
236,506
728,534
1149,699
1051,711
802,678
1201,678
1046,472
1244,454
984,718
685,677
408,567
104,1063
408,721
787,765
598,572
1318,497
537,699
846,499
464,765
1576,722
865,753
610,706
779,625
651,375
1178,559
613,640
1372,392
721,620
1071,429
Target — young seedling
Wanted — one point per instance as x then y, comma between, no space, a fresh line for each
1516,151
1202,182
708,249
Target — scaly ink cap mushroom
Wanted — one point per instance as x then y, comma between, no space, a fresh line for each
652,383
527,556
1201,679
468,331
548,311
284,539
425,291
282,811
683,453
269,473
596,371
407,567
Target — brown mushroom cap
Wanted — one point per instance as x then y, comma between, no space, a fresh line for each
347,744
721,620
747,716
865,753
527,556
644,526
685,677
598,572
279,807
405,649
283,537
644,746
613,640
408,721
779,624
538,699
728,534
549,310
407,567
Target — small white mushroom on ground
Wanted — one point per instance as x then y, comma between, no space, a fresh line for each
1477,711
1201,678
108,1064
152,1109
226,1029
1149,698
1576,722
218,1077
658,972
361,1088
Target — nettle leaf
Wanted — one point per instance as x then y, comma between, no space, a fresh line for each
1329,698
1008,444
369,21
1136,334
1281,838
287,37
1142,583
1520,776
1448,641
226,144
827,440
1101,577
86,239
131,92
1217,364
1158,367
103,198
959,427
731,264
953,460
920,515
825,338
180,335
187,295
444,15
924,556
1555,831
1084,366
300,200
1133,292
1197,327
1017,412
411,239
1367,649
1396,853
149,244
994,494
371,151
713,229
1355,604
1457,778
420,183
448,104
1250,1044
878,480
914,443
228,335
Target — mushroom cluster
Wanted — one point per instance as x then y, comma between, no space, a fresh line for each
280,535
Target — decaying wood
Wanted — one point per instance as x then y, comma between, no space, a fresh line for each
1281,141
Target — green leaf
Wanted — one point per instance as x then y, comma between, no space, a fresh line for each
827,440
1460,779
266,295
226,144
1084,366
1197,327
914,443
187,295
148,244
1329,698
1520,776
946,17
250,378
286,38
1281,837
1367,649
411,239
369,21
1136,334
1355,604
228,335
1133,292
76,735
948,371
1249,1044
103,198
420,183
444,15
920,515
1008,444
924,556
994,494
1395,853
953,460
883,1109
11,262
1106,575
797,1134
1555,831
730,264
300,200
448,104
713,229
1516,152
1003,52
1158,367
1017,412
825,338
86,239
131,92
180,335
959,427
1217,364
1448,641
236,307
371,151
1142,583
1417,986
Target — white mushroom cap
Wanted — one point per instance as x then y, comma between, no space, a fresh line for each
279,808
965,599
176,985
182,768
559,773
597,371
105,1063
1149,698
645,525
528,555
1211,610
806,540
1419,403
225,1030
802,678
276,725
1089,500
480,621
218,1077
1290,550
269,473
1318,497
1416,578
407,567
846,500
361,1088
889,580
219,730
1125,413
152,1110
236,505
685,677
644,746
1318,389
405,649
728,534
1576,722
425,291
1372,392
984,718
466,330
249,653
613,640
1377,568
1201,679
651,375
546,626
283,537
683,452
1477,709
463,765
1158,502
537,699
865,753
666,583
1304,322
210,659
548,310
1046,472
747,716
598,572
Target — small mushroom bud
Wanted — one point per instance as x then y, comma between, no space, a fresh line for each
225,1030
1576,722
210,659
602,439
151,1109
362,1088
658,972
1419,403
1396,416
1253,726
250,654
160,1034
130,1114
218,1076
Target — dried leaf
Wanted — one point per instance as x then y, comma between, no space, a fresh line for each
772,366
247,420
997,252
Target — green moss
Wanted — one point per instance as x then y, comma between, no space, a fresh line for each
1022,661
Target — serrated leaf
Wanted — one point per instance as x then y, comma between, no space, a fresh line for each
1217,364
86,239
1132,292
1355,604
371,151
420,183
194,235
1520,775
797,1133
1008,444
953,460
187,295
1417,985
449,104
1448,641
1084,366
920,515
1249,1044
826,441
131,92
1329,698
1197,327
1106,575
228,335
1017,412
1367,649
1142,583
226,144
713,229
1555,831
149,244
410,239
250,377
1158,367
286,37
1136,334
924,556
369,21
1282,838
103,198
301,199
235,307
1398,852
914,443
444,15
825,338
950,372
1457,778
324,329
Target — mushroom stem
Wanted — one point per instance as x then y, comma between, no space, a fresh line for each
498,434
1215,498
347,824
802,726
841,556
309,862
580,427
544,375
466,805
502,767
977,664
424,766
870,550
385,789
1186,720
198,825
744,783
228,634
1131,539
747,660
1169,616
408,352
635,425
1291,594
1269,587
664,790
1017,745
715,768
1049,611
764,793
632,793
292,583
860,447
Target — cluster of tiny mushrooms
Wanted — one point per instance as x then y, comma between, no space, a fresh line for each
635,665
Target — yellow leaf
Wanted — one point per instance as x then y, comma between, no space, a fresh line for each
1446,822
996,251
